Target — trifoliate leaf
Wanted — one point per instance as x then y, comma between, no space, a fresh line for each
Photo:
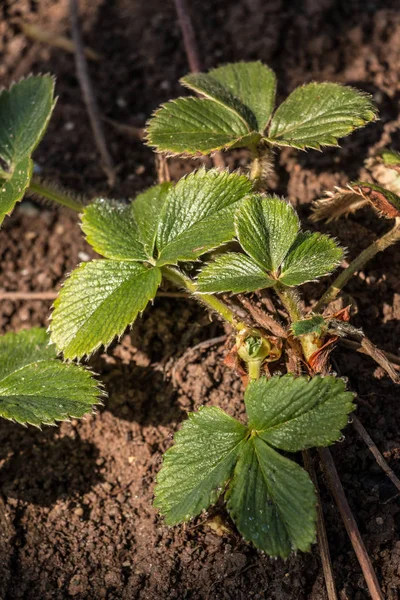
272,500
196,469
266,228
25,110
314,324
198,214
317,114
294,414
111,230
254,84
37,388
98,301
233,272
312,255
196,126
146,209
12,190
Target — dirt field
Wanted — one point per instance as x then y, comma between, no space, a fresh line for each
77,519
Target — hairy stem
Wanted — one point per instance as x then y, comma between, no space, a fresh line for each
391,237
55,195
261,166
256,170
290,300
183,281
254,369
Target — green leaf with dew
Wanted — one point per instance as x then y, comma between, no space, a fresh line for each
197,467
188,126
146,209
36,387
311,256
198,214
13,189
98,301
318,114
272,500
266,227
297,413
111,230
233,272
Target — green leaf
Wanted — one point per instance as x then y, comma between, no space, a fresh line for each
266,228
312,255
12,190
294,414
111,230
272,500
317,114
254,84
232,272
314,324
213,89
98,301
198,214
146,210
197,467
196,126
25,110
37,388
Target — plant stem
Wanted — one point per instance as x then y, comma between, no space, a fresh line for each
256,170
54,195
181,280
379,245
254,369
290,301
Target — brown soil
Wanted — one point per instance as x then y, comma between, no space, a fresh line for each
76,516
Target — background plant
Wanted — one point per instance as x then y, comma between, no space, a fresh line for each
35,387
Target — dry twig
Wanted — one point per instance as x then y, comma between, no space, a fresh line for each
88,95
189,39
357,347
359,427
350,523
321,532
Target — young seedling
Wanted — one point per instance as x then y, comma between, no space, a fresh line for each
179,233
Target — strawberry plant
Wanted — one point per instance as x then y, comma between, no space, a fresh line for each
215,235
